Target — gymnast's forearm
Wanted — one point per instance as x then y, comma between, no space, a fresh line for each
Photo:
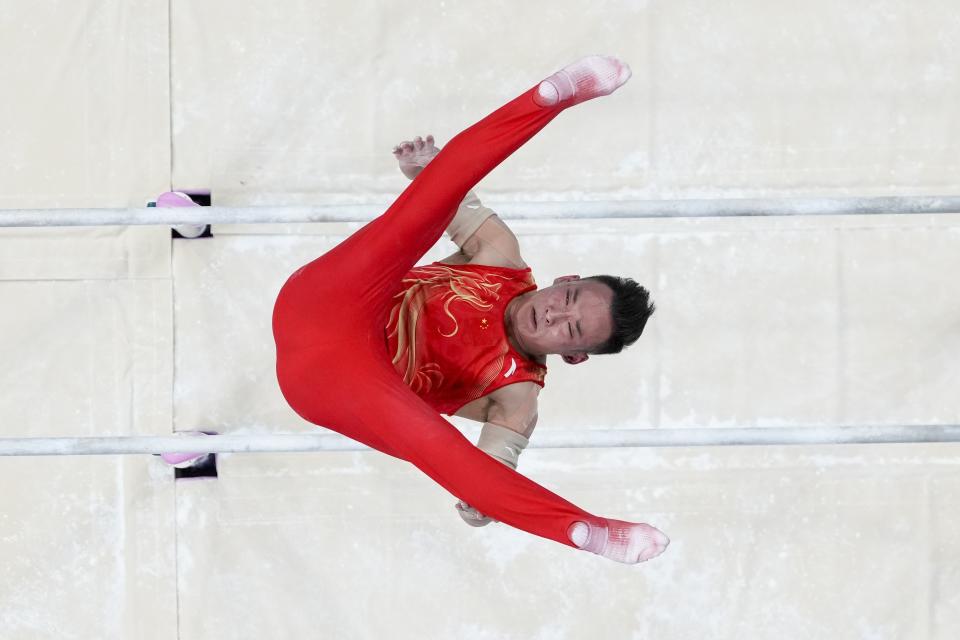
413,157
504,445
470,215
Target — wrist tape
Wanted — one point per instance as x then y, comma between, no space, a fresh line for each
470,215
502,443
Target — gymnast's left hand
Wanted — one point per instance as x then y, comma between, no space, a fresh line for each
471,516
413,155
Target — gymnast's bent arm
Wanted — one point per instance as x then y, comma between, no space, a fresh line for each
509,419
482,236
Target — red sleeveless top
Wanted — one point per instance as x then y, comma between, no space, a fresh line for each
447,337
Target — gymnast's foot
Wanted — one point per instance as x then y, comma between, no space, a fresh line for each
414,156
626,542
587,78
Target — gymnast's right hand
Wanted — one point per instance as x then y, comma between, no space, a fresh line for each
413,156
471,516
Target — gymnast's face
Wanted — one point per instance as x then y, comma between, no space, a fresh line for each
569,318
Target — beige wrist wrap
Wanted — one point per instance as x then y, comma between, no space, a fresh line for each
470,215
502,443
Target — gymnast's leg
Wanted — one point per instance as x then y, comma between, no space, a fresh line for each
329,319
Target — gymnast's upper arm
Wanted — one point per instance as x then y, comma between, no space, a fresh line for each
494,244
515,407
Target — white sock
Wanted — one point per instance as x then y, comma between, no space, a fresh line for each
587,78
627,542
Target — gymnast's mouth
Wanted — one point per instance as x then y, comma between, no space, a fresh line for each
533,315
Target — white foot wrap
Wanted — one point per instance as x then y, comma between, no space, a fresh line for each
626,542
587,78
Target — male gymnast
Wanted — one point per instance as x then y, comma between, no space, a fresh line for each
375,349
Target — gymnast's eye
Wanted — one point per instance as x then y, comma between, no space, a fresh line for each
568,296
570,329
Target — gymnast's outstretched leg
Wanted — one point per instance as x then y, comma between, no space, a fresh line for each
329,320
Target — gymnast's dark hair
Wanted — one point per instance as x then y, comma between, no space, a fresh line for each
631,308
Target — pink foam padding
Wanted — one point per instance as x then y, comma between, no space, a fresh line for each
174,199
177,458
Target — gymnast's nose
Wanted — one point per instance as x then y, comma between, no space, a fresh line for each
551,316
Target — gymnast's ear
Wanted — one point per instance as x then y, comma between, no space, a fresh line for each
565,279
575,358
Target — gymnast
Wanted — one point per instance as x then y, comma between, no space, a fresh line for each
374,348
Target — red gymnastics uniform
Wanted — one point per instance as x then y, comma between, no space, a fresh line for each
447,336
333,366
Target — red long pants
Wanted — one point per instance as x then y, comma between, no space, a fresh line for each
329,319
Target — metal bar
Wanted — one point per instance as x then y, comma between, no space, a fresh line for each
546,439
511,211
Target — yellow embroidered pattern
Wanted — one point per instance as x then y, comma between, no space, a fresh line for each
456,285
